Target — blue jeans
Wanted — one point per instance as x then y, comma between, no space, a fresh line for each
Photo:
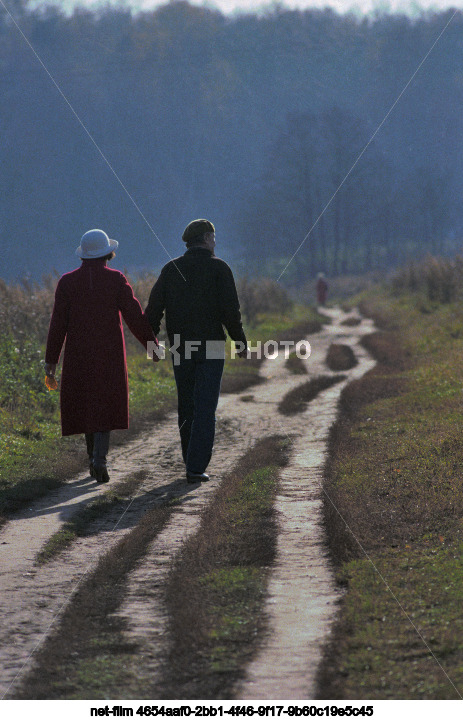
198,388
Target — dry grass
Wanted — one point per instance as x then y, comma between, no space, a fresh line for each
296,365
393,494
352,321
393,510
381,382
25,307
224,567
436,280
262,295
297,399
340,357
387,349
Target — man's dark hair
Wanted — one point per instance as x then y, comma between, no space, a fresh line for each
195,231
197,240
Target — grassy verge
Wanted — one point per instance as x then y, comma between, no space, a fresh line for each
394,510
215,625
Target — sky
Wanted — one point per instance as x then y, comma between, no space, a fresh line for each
358,7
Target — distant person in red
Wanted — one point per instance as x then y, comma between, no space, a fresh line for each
89,303
322,289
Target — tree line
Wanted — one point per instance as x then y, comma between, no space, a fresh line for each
254,121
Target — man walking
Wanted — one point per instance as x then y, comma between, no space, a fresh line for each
197,293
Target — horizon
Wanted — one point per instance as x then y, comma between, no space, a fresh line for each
358,8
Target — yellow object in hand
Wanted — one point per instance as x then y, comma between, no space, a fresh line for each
51,383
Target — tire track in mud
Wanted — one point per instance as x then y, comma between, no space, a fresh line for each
33,597
302,594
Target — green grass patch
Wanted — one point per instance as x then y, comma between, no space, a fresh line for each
395,486
236,596
405,616
152,389
296,365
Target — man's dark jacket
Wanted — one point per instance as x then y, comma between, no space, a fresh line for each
197,292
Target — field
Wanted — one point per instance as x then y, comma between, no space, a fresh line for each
391,514
33,457
394,504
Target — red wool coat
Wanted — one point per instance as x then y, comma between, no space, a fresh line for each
322,290
87,313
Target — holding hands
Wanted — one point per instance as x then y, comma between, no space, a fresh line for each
50,369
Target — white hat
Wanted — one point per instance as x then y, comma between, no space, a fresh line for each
95,244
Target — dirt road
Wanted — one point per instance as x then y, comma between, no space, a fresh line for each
302,595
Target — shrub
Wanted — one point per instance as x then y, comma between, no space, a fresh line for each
438,279
262,296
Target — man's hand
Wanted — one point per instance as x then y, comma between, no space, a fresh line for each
50,369
243,353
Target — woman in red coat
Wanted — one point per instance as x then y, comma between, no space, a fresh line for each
89,303
322,289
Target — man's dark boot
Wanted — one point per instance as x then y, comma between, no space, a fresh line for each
101,474
196,477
